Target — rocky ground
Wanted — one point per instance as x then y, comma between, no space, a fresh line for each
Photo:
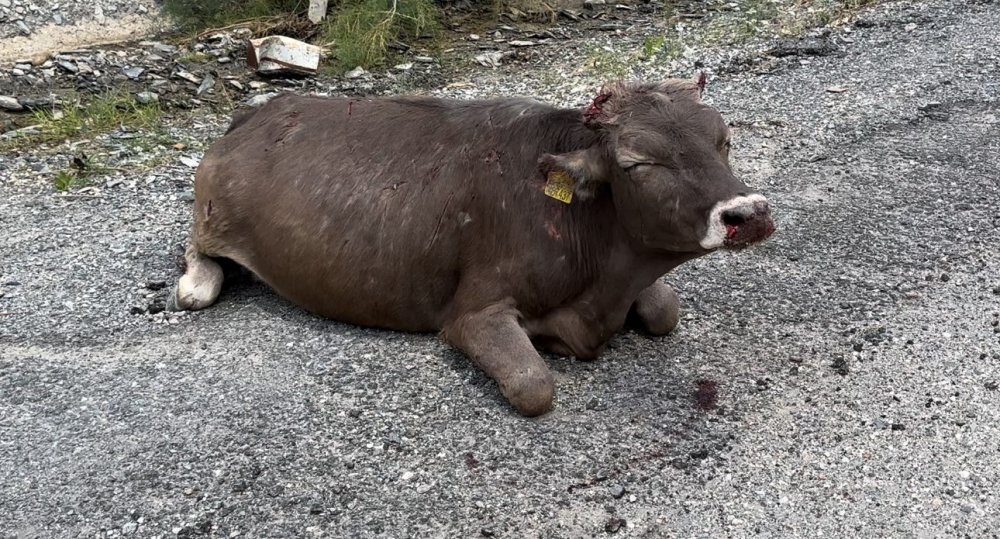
27,26
841,380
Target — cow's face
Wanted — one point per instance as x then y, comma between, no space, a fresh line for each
666,157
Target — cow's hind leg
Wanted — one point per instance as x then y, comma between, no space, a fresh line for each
658,308
199,286
497,344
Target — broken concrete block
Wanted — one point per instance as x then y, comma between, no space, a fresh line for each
280,54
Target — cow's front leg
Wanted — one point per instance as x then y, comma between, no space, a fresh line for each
570,331
497,344
658,308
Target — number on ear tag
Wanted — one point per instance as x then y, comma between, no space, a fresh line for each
559,186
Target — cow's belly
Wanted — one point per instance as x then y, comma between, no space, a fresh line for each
356,287
369,268
369,297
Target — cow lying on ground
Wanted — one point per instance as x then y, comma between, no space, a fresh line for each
504,224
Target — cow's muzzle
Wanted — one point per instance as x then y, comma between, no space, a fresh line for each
747,224
739,222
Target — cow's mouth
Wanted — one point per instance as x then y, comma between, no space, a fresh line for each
751,230
738,222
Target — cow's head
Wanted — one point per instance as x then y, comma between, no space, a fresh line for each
665,155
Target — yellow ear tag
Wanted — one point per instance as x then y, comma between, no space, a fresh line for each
559,186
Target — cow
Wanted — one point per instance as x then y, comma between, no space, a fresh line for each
506,225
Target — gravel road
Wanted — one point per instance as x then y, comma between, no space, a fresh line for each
855,358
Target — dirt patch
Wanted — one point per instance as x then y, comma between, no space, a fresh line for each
87,33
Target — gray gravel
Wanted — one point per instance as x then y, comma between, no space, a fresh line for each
22,17
856,355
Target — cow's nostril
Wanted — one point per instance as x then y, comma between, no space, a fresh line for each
733,218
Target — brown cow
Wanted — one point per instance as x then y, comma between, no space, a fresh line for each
504,224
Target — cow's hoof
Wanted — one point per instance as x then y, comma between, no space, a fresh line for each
200,285
531,393
658,308
172,301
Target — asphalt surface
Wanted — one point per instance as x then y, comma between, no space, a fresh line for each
855,357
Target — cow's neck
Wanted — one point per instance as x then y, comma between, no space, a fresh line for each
628,261
589,231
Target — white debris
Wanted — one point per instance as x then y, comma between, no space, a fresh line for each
280,54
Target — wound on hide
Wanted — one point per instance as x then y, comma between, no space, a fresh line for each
559,185
596,108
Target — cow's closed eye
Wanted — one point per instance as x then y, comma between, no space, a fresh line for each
635,166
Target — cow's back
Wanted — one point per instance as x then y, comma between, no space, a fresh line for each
356,209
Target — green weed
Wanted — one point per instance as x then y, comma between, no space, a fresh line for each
90,118
65,180
362,30
100,115
652,45
77,176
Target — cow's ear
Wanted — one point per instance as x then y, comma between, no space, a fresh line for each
588,168
701,80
